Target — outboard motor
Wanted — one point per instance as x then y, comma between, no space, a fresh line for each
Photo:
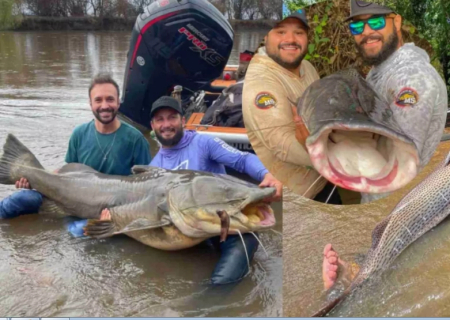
174,42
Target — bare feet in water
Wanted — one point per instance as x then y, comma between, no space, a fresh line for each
105,215
331,266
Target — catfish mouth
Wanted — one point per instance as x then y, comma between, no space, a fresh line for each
252,213
369,160
259,213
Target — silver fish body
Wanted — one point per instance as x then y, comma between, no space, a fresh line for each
419,211
165,209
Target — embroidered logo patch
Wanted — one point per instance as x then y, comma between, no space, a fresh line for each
407,98
265,100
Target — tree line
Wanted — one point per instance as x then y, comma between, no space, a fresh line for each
78,8
250,9
232,9
427,23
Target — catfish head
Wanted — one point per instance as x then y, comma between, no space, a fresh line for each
354,139
196,203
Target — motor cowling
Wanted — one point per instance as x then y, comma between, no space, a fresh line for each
174,42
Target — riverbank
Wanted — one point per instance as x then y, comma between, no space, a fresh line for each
107,24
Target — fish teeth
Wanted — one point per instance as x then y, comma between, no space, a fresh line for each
242,217
254,218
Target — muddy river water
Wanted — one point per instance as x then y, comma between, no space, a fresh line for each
44,78
415,285
46,272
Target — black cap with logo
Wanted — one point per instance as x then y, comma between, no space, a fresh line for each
166,102
358,7
299,14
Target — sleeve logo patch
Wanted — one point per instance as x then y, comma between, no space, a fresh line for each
407,98
265,100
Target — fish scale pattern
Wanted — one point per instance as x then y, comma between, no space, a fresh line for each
425,207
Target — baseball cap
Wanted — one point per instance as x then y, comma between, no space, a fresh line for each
358,7
300,14
166,102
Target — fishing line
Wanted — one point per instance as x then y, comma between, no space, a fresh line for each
328,199
245,249
260,243
312,185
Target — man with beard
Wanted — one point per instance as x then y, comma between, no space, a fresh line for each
186,149
105,144
403,75
276,78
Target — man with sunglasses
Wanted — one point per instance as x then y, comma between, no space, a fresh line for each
403,75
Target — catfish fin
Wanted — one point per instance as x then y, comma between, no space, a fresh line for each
15,160
377,233
137,169
107,228
76,167
142,224
164,207
330,306
99,229
135,219
50,207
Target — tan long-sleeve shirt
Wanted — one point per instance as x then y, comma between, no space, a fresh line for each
270,92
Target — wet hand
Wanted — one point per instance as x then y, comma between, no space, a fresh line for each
301,132
270,181
23,184
297,119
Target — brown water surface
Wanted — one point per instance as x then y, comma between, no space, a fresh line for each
416,285
44,78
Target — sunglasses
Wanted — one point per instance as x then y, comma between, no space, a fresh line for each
375,23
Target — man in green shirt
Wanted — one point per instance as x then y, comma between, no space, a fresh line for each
105,144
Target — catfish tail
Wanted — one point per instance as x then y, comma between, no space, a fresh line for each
15,160
330,306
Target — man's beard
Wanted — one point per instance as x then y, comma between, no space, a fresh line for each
111,110
386,51
172,141
287,65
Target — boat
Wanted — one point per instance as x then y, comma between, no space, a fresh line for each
180,48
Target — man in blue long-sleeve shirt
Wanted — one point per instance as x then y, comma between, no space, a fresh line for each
185,149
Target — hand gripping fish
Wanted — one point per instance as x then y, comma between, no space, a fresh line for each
423,208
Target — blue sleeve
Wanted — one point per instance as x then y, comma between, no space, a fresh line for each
71,155
242,162
156,161
142,152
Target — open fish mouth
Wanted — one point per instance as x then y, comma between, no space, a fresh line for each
259,214
363,158
246,214
355,140
251,217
